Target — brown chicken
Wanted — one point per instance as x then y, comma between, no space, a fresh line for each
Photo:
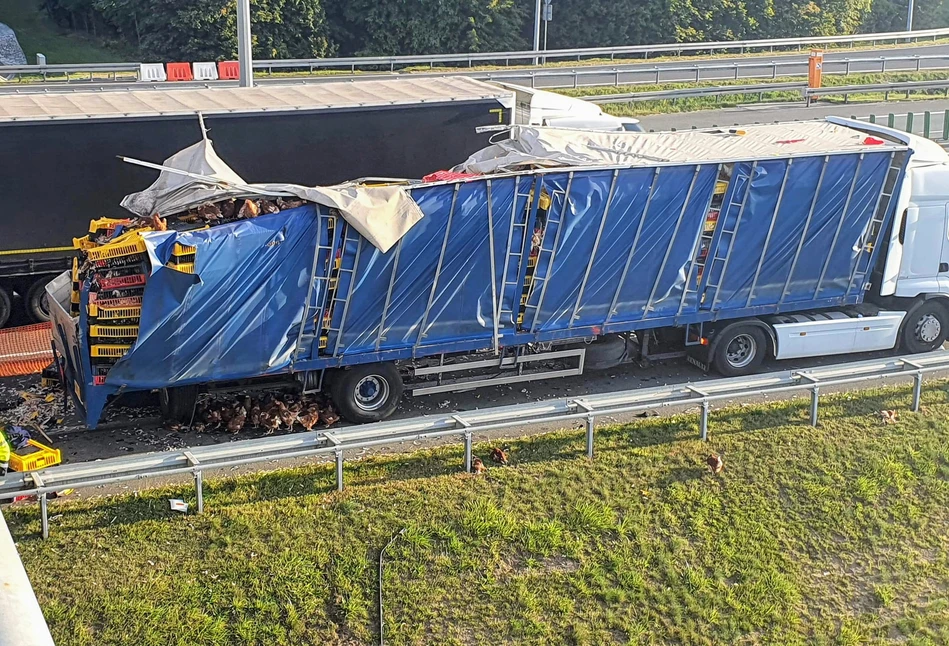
889,416
477,466
310,417
329,415
254,416
715,463
249,209
157,223
499,455
236,423
286,414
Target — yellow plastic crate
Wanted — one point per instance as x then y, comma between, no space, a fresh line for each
182,250
114,313
720,187
184,267
114,331
531,262
109,351
324,341
74,297
106,223
82,243
44,456
119,248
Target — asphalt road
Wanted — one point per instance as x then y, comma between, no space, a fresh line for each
619,73
138,431
769,113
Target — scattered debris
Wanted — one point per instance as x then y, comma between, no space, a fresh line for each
34,408
715,463
477,466
889,416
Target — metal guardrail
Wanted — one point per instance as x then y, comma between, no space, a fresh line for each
807,94
885,88
683,93
392,63
335,443
21,620
600,77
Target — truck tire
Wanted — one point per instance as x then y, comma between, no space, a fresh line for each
926,327
6,305
367,393
36,303
740,351
177,404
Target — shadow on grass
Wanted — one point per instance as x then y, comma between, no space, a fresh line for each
319,479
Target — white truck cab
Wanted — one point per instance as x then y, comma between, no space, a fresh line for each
534,107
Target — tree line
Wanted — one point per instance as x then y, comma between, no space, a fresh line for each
206,29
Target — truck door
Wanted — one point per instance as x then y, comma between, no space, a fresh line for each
926,252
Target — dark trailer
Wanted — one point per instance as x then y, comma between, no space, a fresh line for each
59,169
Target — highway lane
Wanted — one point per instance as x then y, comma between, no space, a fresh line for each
683,69
769,113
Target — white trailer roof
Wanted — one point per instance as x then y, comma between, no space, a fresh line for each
532,146
271,98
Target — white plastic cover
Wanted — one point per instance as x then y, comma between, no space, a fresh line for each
557,147
381,214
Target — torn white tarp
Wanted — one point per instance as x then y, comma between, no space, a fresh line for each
381,214
557,147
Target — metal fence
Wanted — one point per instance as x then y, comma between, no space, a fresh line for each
115,72
335,443
929,124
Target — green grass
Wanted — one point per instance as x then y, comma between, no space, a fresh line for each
37,33
830,535
692,104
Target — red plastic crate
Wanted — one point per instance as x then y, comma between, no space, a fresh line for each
121,282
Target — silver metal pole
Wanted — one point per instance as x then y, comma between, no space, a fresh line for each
244,55
537,9
909,17
339,470
21,619
815,401
590,424
917,390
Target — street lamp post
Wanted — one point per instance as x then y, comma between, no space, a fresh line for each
909,17
537,13
244,57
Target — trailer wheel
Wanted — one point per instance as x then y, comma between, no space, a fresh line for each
926,327
740,351
367,393
177,404
37,301
6,305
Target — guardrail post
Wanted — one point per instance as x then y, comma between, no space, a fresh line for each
945,125
890,118
909,120
917,390
873,118
703,420
815,400
339,470
467,451
44,515
927,123
590,422
198,480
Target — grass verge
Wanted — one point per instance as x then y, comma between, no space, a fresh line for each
830,535
691,104
37,33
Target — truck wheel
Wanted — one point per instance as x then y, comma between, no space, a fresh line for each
6,305
37,302
367,393
926,327
177,404
740,351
